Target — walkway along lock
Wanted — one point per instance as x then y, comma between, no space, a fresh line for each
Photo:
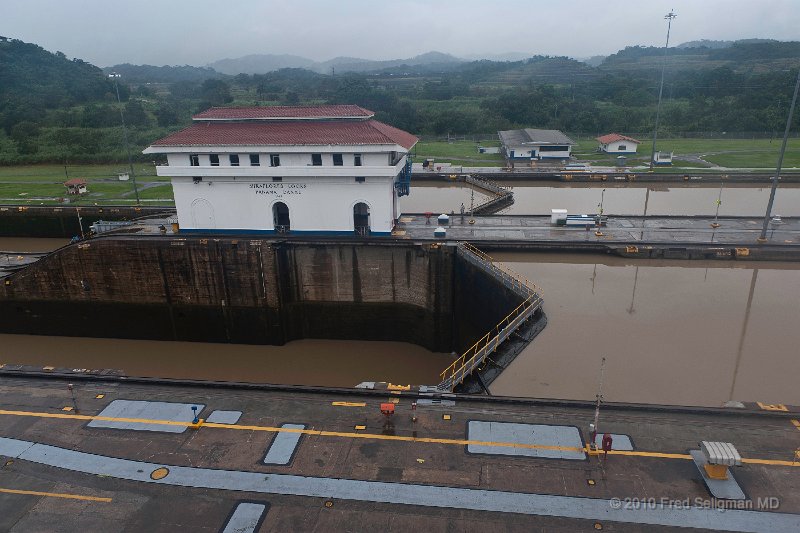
474,357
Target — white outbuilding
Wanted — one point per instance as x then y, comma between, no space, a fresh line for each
328,169
614,143
532,144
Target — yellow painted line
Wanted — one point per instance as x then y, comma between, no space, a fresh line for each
772,406
376,436
349,404
56,495
796,423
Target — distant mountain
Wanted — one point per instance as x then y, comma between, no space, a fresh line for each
263,63
747,55
507,56
165,74
260,64
544,70
715,45
593,61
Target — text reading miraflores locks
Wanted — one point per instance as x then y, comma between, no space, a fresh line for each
278,188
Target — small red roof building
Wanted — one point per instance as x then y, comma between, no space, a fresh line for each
75,186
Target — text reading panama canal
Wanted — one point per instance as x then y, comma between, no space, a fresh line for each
278,188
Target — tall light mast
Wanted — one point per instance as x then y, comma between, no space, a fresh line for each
668,17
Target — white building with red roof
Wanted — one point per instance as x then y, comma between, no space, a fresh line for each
614,143
262,170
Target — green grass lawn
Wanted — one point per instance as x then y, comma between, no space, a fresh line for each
56,173
463,153
733,153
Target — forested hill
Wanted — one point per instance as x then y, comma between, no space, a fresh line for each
33,80
746,56
166,74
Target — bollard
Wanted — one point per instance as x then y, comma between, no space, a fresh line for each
413,411
194,410
72,393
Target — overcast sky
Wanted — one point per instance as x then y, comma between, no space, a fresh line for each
197,32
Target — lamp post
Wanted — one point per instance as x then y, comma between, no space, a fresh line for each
115,76
668,17
763,236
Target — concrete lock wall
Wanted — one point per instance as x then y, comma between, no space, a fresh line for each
235,290
480,303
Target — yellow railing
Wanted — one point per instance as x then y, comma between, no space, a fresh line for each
459,369
520,281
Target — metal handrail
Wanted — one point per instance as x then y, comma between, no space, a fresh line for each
459,369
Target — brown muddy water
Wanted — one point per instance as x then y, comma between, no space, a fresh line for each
672,332
24,244
303,362
538,198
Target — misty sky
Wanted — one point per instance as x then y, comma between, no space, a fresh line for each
197,32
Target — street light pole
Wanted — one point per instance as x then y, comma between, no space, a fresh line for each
763,236
125,136
668,17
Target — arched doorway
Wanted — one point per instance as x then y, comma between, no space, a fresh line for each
203,214
280,217
361,218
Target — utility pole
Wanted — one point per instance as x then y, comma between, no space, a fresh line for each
114,76
668,17
763,237
594,427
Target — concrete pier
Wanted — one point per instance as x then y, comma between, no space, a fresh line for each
647,237
353,466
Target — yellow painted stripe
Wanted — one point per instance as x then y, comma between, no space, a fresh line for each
349,404
376,436
796,423
56,495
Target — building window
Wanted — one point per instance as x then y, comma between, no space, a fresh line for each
337,160
277,178
274,160
254,160
360,179
553,148
357,160
234,160
214,160
622,148
194,160
316,160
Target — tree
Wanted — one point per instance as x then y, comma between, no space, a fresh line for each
135,114
215,92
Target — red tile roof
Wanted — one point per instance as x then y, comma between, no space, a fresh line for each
285,112
611,137
269,133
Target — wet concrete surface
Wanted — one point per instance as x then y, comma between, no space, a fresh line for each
493,228
620,199
364,455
